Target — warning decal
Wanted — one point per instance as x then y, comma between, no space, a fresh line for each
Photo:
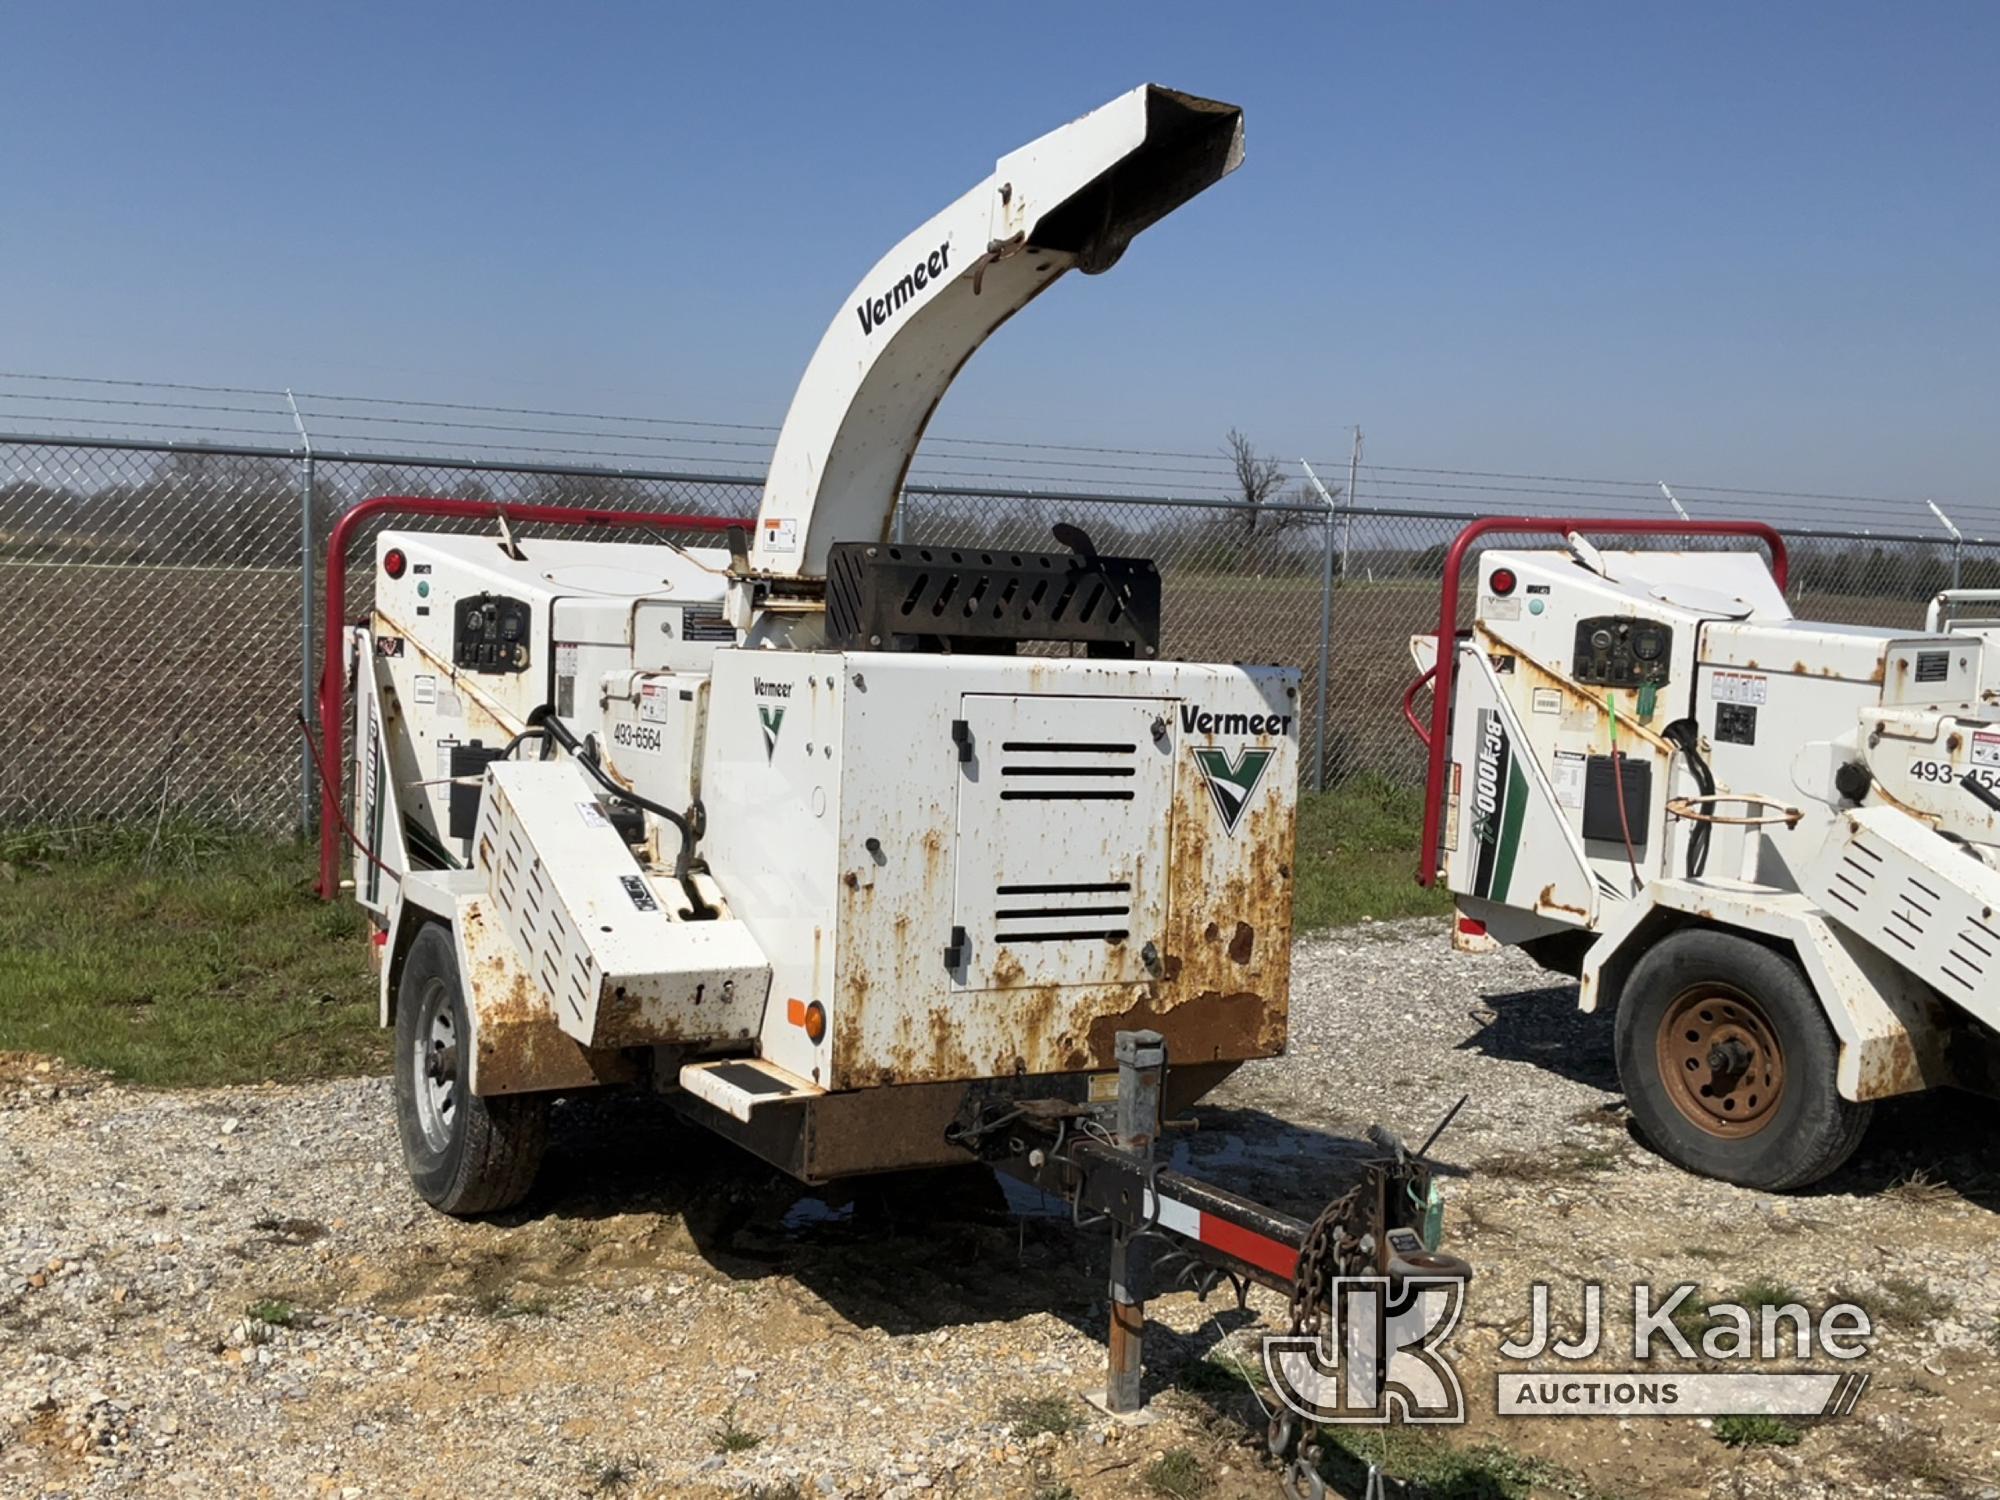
1738,687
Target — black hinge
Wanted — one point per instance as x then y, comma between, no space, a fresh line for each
961,736
955,950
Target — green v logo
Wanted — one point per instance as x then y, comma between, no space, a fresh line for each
772,717
1230,783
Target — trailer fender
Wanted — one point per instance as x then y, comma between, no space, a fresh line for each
421,896
515,1045
1890,1029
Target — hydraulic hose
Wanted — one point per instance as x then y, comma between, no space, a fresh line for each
1685,736
544,719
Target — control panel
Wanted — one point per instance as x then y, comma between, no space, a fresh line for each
1618,651
490,634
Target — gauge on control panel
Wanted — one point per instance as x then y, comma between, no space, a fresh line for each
1615,651
491,634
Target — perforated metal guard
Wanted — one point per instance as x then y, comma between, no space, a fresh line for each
885,596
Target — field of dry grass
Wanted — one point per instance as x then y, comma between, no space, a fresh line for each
138,688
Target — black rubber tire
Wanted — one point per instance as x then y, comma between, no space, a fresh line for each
494,1145
1811,1132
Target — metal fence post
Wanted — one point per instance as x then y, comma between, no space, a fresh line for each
308,792
1321,708
1325,627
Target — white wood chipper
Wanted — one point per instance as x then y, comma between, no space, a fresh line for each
791,831
1769,845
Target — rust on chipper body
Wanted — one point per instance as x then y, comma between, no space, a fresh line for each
1219,993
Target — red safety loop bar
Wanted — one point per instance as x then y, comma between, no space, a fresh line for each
1447,635
332,673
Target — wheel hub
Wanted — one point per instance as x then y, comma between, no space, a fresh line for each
1721,1061
436,1066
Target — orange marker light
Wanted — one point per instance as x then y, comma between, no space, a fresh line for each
816,1022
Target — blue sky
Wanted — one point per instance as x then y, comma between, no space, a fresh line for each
1736,244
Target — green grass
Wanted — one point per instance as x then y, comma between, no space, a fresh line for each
1031,1416
1764,1291
1178,1475
1436,1467
500,1302
275,1311
1756,1432
729,1438
181,957
1357,855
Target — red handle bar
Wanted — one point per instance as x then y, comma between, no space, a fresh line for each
332,677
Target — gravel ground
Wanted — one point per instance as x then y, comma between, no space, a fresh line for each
235,1292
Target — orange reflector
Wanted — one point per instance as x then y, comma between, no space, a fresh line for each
795,1012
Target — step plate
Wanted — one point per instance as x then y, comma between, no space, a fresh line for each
739,1085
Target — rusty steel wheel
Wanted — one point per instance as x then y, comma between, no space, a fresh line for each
1729,1062
1721,1060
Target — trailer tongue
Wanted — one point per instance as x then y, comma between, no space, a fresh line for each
791,832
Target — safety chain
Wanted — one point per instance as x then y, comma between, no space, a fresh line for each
1333,1247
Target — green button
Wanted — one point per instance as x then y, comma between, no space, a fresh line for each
1534,606
424,589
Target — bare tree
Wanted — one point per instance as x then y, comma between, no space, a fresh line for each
1258,479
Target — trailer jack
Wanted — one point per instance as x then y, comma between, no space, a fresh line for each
1170,1230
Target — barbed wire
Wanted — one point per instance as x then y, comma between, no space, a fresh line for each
31,402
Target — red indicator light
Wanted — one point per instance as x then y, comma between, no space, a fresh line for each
393,562
1502,582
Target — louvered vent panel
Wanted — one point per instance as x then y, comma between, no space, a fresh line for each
1100,911
1067,770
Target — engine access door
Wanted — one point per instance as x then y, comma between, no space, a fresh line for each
1063,811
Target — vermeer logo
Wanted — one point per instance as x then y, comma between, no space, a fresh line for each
874,312
772,717
1230,783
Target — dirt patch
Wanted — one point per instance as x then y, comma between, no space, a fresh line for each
234,1290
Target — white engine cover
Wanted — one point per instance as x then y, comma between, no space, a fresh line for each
983,866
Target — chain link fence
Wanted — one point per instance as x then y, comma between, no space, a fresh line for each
159,629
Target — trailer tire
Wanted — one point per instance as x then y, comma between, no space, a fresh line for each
1729,1064
467,1155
